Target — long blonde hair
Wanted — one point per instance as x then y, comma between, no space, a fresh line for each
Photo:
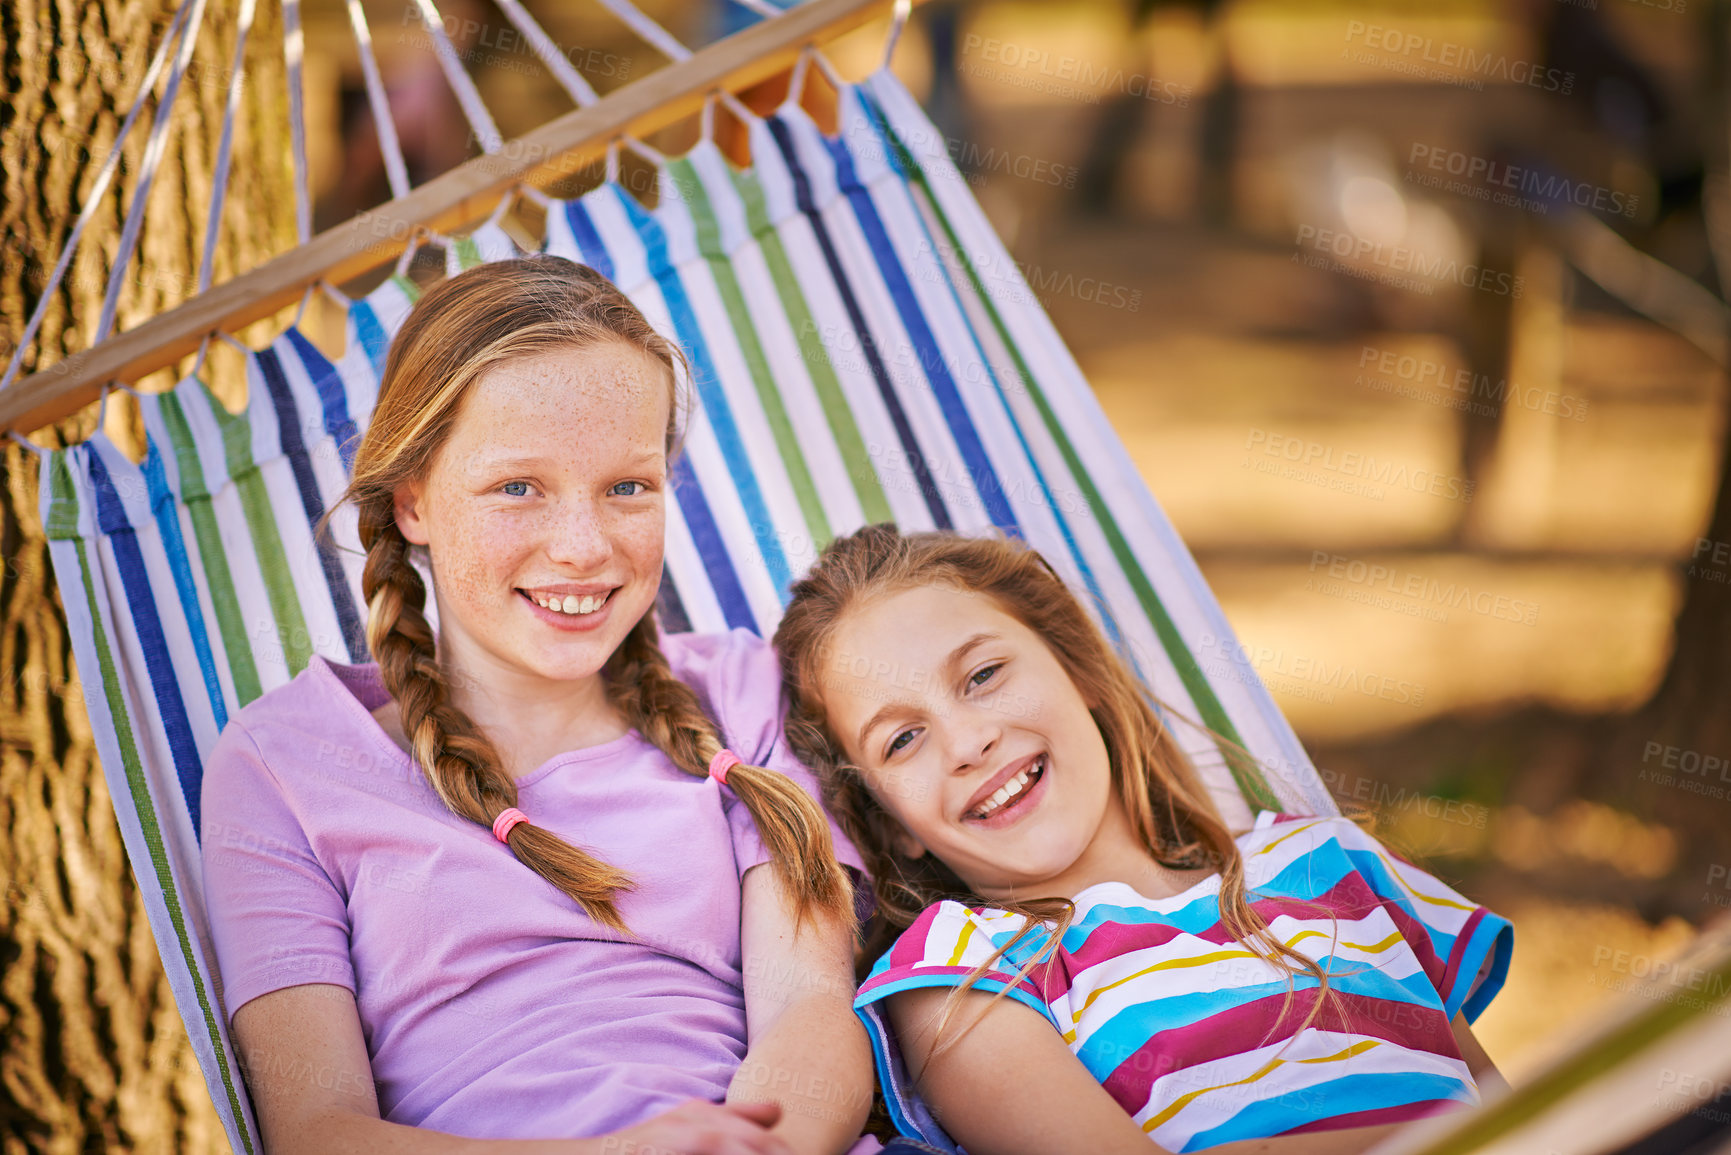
461,328
1169,808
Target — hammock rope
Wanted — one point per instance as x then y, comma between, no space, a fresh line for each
293,50
154,149
468,96
224,149
390,148
568,77
647,30
97,192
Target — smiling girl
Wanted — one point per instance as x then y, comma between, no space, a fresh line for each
537,874
1081,957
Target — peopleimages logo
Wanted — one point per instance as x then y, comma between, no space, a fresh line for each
1036,68
1459,62
1434,381
1401,259
1483,177
1365,467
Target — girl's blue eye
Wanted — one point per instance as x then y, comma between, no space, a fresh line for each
984,674
517,488
900,740
631,493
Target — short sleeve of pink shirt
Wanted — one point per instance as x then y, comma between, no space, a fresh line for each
491,1005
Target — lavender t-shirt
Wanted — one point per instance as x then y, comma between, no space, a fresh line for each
492,1006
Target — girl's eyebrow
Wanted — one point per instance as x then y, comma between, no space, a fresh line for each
531,461
950,665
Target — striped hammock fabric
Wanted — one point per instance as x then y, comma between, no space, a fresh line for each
863,349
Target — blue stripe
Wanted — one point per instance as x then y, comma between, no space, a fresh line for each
670,607
937,373
1102,605
1363,1092
715,405
856,318
1493,933
129,560
906,1111
588,238
1133,1025
371,334
332,397
162,508
288,428
712,548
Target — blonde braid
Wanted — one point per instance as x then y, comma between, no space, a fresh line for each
642,687
457,758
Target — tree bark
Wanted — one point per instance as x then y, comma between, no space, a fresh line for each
1666,747
93,1054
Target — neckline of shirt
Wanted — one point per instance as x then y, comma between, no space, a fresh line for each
1266,823
368,673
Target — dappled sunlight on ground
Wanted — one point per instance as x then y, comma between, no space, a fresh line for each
1358,642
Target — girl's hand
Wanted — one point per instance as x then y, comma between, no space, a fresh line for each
696,1127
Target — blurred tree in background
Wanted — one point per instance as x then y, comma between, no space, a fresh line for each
93,1055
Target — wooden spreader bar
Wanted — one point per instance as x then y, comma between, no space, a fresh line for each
449,202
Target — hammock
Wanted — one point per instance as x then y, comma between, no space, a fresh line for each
863,349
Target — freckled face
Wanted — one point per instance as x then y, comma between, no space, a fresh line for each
543,513
970,733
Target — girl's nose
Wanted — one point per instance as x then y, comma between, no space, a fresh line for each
578,537
973,736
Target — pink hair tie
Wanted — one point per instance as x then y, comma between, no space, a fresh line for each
508,818
722,763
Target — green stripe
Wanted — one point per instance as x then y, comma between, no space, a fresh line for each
279,586
145,810
709,244
410,290
195,495
61,524
1245,771
468,252
835,407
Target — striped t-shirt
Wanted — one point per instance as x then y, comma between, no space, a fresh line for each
1177,1020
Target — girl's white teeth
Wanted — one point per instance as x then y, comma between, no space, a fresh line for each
572,604
1009,790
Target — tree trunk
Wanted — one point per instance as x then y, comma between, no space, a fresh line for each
1677,748
93,1054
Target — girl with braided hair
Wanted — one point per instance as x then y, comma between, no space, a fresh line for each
537,874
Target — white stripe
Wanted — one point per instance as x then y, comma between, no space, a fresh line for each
1162,554
77,598
781,348
156,430
1216,1107
696,593
734,379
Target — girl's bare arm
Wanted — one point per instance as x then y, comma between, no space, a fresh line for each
306,1065
1005,1083
808,1051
